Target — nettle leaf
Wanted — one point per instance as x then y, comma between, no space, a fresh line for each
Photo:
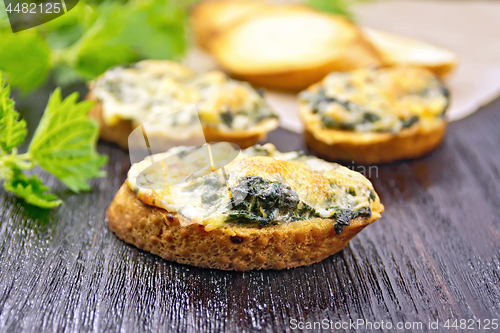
31,189
12,130
64,142
125,33
22,48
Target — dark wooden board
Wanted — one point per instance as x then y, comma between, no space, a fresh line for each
434,255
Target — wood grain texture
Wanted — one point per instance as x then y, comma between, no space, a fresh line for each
434,255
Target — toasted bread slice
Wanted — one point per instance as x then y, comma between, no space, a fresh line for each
119,131
398,50
290,48
232,247
210,18
265,210
371,116
231,111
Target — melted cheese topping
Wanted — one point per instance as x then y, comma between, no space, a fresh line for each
151,88
184,180
376,100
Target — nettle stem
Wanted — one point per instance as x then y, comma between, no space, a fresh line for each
22,161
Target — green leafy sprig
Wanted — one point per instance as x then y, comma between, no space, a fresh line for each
92,37
63,145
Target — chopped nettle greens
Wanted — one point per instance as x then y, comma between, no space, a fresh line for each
255,199
63,145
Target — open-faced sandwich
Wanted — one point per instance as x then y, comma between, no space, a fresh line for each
227,110
375,115
259,209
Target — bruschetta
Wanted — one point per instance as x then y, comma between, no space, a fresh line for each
158,91
231,210
373,115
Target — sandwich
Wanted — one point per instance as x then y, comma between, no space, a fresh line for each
374,115
158,92
218,207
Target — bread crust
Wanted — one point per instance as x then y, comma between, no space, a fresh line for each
120,131
407,144
373,148
117,133
230,247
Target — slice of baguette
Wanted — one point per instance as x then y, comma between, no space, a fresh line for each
232,247
119,132
398,50
371,147
292,47
210,18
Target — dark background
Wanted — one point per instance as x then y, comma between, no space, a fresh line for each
434,254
